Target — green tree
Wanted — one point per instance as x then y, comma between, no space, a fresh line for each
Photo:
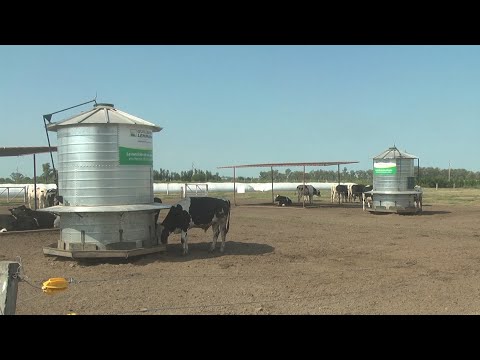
47,173
17,177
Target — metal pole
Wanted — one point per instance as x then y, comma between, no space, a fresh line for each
35,181
271,171
338,172
303,195
448,170
234,199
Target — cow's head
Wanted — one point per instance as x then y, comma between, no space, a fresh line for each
162,233
21,210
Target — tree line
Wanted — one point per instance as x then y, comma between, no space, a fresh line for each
426,177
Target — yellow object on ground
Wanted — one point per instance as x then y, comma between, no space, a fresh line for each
54,285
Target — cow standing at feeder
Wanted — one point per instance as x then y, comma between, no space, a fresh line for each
196,212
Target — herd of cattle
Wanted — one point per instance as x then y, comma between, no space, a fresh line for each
341,193
190,212
22,218
195,212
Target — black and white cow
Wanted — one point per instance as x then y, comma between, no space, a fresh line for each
28,219
7,222
307,192
196,212
17,223
367,196
283,200
50,197
339,192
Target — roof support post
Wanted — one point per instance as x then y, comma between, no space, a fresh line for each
271,171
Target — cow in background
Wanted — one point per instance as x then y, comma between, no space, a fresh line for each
307,192
418,198
41,196
283,200
196,212
367,196
339,192
50,197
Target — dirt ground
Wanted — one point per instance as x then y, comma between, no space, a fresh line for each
325,259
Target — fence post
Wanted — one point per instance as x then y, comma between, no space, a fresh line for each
8,287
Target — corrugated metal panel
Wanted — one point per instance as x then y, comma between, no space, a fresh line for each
397,181
134,229
89,169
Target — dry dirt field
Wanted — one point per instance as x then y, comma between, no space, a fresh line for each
327,259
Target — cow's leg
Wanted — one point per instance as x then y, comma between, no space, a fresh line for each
224,235
216,232
184,240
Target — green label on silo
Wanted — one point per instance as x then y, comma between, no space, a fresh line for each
135,146
385,168
130,156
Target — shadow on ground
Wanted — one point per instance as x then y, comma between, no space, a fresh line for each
196,251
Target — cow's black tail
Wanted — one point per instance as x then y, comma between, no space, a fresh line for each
228,218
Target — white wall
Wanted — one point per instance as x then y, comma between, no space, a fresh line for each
174,188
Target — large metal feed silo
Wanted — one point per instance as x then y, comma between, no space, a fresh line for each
394,183
105,178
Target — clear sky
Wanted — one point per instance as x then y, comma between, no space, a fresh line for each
231,105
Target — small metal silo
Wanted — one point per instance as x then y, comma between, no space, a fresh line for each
394,185
105,176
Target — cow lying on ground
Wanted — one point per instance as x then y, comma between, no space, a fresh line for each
196,212
28,219
283,200
7,223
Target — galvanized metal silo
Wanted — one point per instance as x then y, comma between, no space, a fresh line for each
105,176
394,183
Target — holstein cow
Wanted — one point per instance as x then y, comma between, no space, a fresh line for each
50,197
29,219
7,222
367,197
357,191
41,196
196,212
13,223
307,192
340,192
283,200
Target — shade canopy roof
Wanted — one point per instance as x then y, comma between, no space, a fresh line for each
25,150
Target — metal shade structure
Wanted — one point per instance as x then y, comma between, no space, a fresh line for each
25,150
272,165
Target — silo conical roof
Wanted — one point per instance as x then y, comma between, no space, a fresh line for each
394,153
103,114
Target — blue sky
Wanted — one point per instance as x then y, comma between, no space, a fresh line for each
232,105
